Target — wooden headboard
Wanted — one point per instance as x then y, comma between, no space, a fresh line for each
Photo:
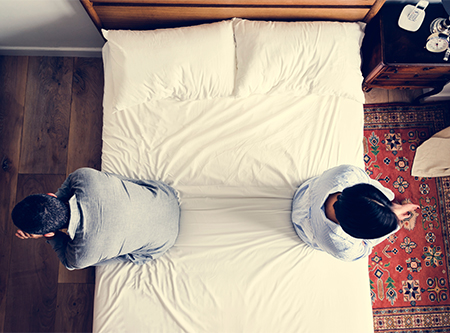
153,14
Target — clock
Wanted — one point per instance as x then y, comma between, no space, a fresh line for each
439,39
437,42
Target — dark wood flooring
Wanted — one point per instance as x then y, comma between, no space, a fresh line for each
50,125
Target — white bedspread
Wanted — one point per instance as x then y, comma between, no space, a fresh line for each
238,265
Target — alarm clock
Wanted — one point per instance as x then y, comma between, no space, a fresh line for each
437,42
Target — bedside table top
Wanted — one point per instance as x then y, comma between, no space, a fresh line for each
405,47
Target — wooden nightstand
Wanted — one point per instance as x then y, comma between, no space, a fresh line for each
394,58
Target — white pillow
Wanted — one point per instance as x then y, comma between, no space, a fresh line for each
195,62
303,57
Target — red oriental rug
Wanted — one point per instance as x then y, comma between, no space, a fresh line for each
409,272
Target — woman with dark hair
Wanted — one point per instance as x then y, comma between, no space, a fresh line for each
346,213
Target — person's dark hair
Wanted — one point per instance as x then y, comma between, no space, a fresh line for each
363,211
40,214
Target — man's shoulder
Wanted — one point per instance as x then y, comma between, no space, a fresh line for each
88,180
85,171
89,175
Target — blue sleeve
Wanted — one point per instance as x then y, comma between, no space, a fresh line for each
75,180
65,192
59,245
351,252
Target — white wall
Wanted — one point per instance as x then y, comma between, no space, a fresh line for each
47,27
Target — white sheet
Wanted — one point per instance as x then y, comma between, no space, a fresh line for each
238,265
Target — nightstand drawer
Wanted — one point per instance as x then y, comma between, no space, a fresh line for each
413,76
421,70
404,84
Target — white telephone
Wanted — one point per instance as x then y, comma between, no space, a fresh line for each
412,17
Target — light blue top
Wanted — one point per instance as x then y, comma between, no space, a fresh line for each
114,218
311,223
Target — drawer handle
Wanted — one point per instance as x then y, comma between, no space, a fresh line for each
427,68
416,75
396,71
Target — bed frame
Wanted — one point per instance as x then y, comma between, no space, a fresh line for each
224,227
154,14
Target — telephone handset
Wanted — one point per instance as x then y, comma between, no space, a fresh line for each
412,17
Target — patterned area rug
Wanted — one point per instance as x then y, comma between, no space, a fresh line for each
409,272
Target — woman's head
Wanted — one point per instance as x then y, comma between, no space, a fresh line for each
363,211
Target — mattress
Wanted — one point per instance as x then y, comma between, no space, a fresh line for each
238,265
235,145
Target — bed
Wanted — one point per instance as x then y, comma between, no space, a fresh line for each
234,105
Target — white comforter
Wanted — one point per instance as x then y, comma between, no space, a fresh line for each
238,265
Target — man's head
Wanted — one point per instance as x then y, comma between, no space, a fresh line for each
365,212
40,214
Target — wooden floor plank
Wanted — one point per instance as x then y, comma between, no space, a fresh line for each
74,308
404,95
376,96
85,141
47,116
33,275
13,76
86,275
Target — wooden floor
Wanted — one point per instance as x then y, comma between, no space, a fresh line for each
50,125
392,96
